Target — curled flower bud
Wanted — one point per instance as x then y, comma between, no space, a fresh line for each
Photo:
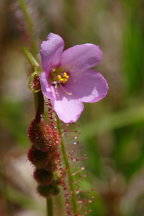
38,158
43,176
48,190
43,137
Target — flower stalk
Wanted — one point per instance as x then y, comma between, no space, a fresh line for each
38,97
49,206
30,58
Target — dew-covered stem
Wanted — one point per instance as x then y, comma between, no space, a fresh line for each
69,172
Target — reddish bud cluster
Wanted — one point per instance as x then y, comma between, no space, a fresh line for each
44,155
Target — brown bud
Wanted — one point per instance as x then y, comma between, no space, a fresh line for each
43,176
48,190
38,158
43,137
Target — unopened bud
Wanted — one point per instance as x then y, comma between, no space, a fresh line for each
43,136
43,177
48,190
38,158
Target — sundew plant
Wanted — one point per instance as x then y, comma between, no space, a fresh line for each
72,110
61,81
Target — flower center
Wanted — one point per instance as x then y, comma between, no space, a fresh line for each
58,76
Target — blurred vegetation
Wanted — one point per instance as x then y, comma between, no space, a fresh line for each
112,131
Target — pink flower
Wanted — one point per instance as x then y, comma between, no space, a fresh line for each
68,79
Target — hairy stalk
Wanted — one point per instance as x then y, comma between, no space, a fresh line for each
49,207
69,172
32,34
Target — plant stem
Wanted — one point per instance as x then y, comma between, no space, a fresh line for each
39,105
69,172
38,96
30,58
24,8
49,206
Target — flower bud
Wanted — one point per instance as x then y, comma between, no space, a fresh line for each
43,137
38,158
43,176
48,190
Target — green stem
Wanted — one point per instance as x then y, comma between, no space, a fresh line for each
25,10
30,58
69,172
49,206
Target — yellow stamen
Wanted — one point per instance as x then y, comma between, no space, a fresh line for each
63,77
58,76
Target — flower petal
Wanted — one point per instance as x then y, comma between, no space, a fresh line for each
68,110
87,86
46,87
51,51
81,57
